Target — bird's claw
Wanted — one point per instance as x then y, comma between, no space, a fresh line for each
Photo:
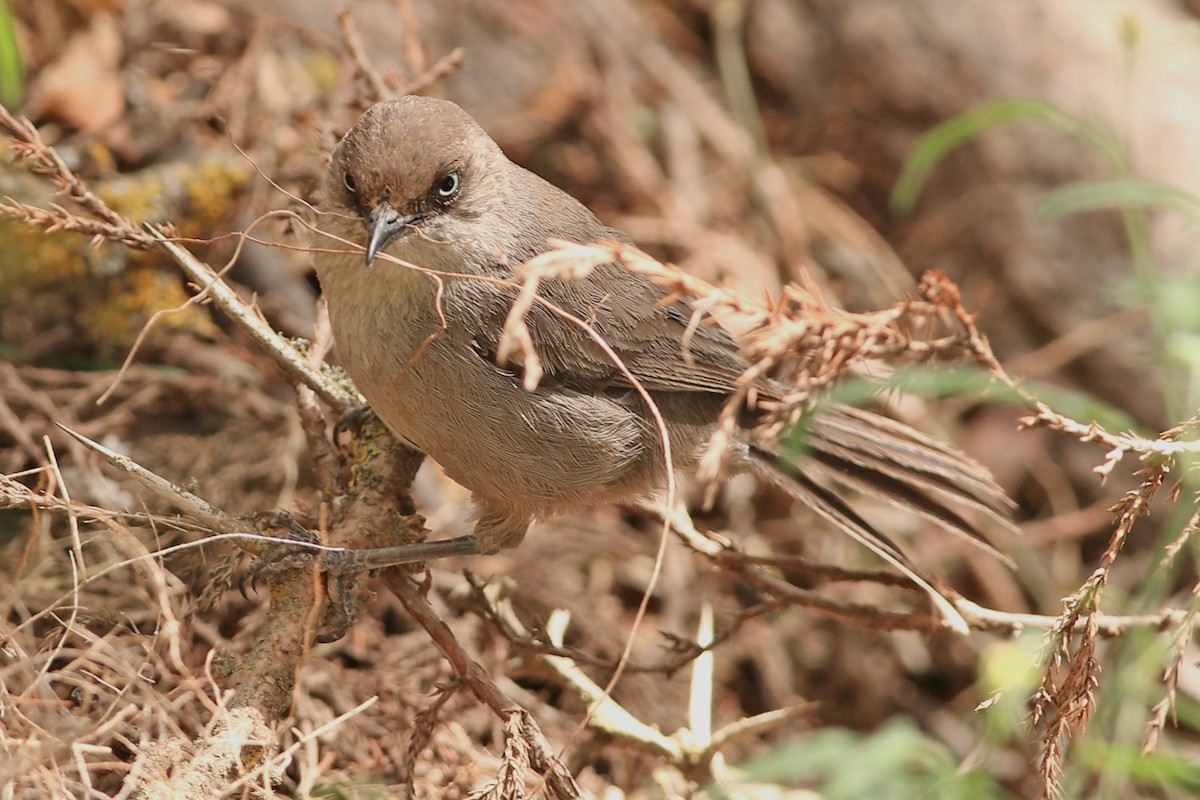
299,553
354,419
278,557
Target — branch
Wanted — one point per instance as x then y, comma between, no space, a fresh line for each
291,360
558,778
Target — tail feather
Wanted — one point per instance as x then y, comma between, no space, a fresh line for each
891,442
881,482
834,509
879,456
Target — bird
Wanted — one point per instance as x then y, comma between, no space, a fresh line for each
419,184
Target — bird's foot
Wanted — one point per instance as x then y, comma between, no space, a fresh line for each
297,548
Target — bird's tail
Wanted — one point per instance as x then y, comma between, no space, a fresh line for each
884,458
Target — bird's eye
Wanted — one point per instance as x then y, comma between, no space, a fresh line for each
447,186
348,180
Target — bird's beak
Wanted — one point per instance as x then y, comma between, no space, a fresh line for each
386,223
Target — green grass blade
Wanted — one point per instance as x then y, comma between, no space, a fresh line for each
1117,194
957,131
976,383
12,73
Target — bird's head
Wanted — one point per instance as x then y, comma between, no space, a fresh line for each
413,166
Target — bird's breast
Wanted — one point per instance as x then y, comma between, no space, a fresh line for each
544,449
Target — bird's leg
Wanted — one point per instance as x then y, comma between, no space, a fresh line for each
497,527
342,565
306,550
302,550
380,473
297,551
369,502
351,561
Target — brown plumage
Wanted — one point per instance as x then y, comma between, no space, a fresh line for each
419,180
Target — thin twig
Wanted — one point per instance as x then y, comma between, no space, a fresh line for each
288,357
558,778
194,506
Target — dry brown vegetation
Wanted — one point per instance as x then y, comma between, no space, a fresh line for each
153,424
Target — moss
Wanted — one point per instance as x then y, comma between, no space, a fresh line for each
194,196
325,70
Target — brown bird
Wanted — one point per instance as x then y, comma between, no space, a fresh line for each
419,180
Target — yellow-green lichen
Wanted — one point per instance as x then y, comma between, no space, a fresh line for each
108,293
138,198
211,187
31,261
130,299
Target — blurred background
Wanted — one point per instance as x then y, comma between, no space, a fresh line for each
1041,154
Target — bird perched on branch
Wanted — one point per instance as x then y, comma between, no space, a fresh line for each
418,181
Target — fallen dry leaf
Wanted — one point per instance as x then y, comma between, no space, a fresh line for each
83,87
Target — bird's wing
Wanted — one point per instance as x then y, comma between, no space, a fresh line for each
653,339
650,337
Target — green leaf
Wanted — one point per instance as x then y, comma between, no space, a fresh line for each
897,761
1178,303
12,73
1148,769
975,383
957,131
1117,194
